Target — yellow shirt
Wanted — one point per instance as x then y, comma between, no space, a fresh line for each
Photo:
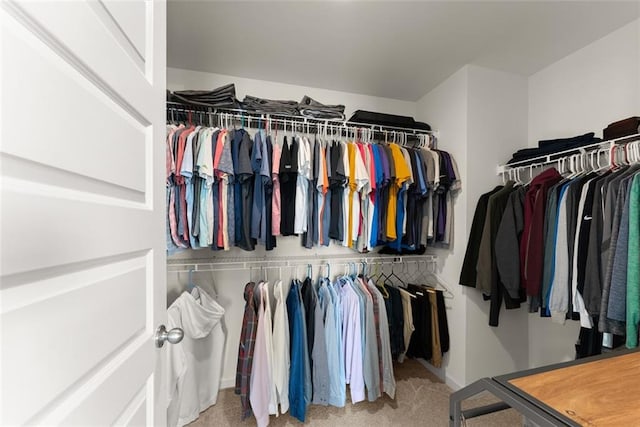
351,152
402,175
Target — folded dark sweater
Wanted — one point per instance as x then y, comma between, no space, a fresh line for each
560,143
383,119
548,147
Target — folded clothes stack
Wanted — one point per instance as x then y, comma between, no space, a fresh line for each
222,97
309,107
225,97
621,128
270,106
381,119
551,146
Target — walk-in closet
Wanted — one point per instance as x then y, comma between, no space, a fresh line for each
325,213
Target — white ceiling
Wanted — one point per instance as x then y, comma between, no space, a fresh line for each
390,49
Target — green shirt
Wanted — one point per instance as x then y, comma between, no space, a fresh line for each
633,265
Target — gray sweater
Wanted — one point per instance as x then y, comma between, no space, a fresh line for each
618,293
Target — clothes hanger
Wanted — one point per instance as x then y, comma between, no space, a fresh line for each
612,152
413,274
531,166
410,278
440,285
393,274
569,167
517,180
353,270
193,289
598,156
385,277
373,276
636,151
581,162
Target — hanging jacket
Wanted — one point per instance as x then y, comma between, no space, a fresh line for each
532,239
468,275
194,365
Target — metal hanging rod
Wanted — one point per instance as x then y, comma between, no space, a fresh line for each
235,264
555,157
290,119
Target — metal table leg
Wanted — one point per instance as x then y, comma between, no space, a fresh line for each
540,417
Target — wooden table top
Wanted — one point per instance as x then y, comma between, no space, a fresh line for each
604,392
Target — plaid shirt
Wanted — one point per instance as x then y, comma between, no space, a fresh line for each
245,349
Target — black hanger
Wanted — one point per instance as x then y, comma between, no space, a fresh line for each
394,275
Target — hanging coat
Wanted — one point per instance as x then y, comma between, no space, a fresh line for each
194,365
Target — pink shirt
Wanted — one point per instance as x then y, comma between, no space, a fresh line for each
169,162
260,389
372,169
221,208
275,200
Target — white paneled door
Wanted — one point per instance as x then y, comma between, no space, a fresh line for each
82,279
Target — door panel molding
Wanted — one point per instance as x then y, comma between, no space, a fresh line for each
105,13
36,28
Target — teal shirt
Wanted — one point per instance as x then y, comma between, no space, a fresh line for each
633,265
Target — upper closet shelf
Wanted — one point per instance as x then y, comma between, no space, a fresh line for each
309,124
590,152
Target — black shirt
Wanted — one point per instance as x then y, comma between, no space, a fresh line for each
288,178
336,183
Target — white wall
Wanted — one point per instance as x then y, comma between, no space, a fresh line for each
588,89
481,115
178,79
228,286
497,123
582,92
446,108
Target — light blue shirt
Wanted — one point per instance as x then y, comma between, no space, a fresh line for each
171,246
205,192
553,254
336,383
336,300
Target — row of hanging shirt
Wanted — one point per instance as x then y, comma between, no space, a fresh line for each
571,244
227,189
324,336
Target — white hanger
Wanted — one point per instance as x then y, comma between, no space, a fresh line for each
531,166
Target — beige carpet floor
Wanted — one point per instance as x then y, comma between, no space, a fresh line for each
421,400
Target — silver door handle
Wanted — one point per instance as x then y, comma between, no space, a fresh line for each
174,336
